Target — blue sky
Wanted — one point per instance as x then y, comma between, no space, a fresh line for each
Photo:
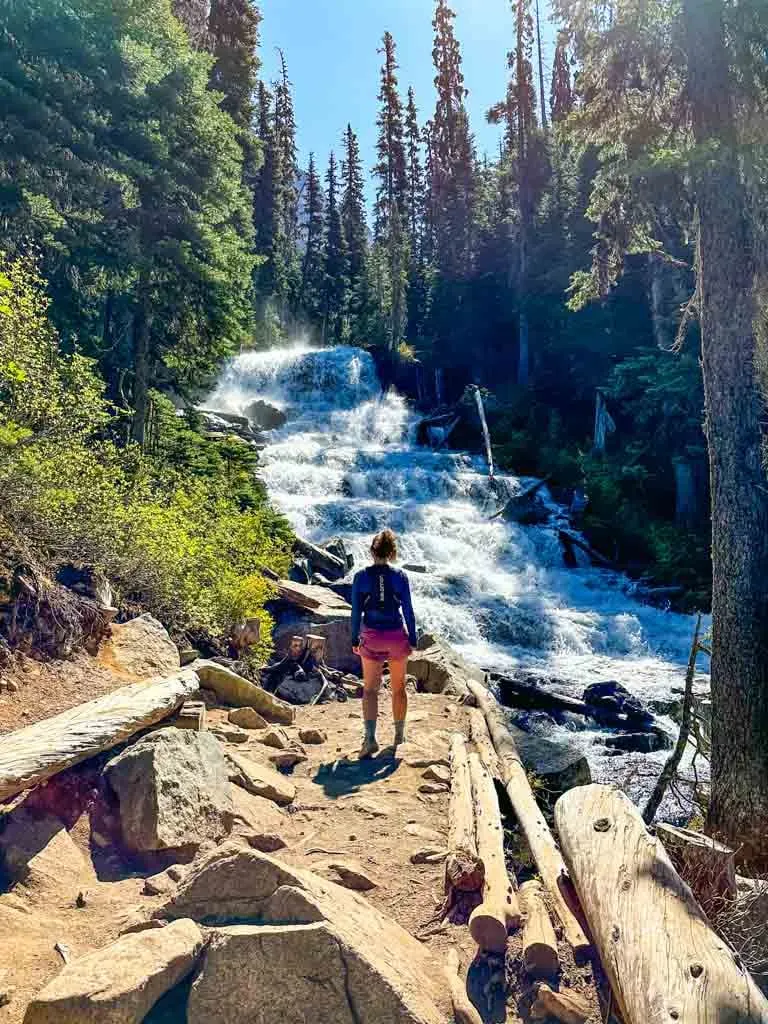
330,47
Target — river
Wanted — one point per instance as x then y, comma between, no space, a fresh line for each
347,464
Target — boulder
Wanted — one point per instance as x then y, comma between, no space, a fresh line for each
173,790
612,696
313,736
264,416
120,983
559,766
438,773
230,688
247,718
140,648
386,976
638,742
259,779
439,669
37,850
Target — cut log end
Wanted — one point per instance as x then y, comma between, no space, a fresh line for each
464,871
489,926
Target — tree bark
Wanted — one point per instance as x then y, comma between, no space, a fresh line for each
662,958
738,809
142,329
463,867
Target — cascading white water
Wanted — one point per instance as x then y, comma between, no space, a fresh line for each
346,463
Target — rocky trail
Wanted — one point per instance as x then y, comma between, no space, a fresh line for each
99,855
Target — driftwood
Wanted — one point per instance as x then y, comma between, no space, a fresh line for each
540,956
319,558
499,911
463,866
568,1007
30,756
571,540
478,731
486,431
535,829
463,1010
707,866
663,960
669,771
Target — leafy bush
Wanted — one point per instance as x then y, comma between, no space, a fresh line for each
182,530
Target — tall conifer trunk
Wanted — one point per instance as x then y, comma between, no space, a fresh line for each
739,803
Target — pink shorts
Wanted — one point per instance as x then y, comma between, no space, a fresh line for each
384,644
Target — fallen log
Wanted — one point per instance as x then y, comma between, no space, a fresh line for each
319,558
32,755
499,911
535,829
463,867
540,956
573,540
463,1010
662,958
478,731
707,866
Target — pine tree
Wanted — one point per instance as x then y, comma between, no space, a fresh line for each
268,224
414,198
355,228
561,98
313,264
390,149
335,297
287,194
541,69
233,30
451,153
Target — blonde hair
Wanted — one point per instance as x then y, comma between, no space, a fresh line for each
384,546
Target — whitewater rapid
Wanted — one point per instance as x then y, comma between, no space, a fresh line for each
346,464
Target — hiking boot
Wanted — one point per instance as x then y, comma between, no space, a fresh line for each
368,749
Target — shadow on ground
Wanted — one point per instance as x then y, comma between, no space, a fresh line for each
340,778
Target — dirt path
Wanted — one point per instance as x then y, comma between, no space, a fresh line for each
372,813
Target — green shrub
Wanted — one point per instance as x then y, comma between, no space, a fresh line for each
182,529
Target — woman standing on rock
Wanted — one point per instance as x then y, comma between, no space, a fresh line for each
381,600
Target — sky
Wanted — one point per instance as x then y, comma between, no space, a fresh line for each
331,50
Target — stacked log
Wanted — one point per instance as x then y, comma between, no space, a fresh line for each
537,833
540,956
664,961
499,911
463,866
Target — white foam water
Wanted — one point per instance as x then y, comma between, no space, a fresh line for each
347,464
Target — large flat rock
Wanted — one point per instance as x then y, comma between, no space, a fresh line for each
238,692
173,790
389,976
120,983
259,779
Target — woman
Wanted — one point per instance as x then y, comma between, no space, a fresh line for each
381,599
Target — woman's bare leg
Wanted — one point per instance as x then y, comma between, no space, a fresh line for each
397,670
372,672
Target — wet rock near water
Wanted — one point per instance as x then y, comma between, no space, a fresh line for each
263,416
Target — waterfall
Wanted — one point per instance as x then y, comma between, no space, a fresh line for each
346,464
